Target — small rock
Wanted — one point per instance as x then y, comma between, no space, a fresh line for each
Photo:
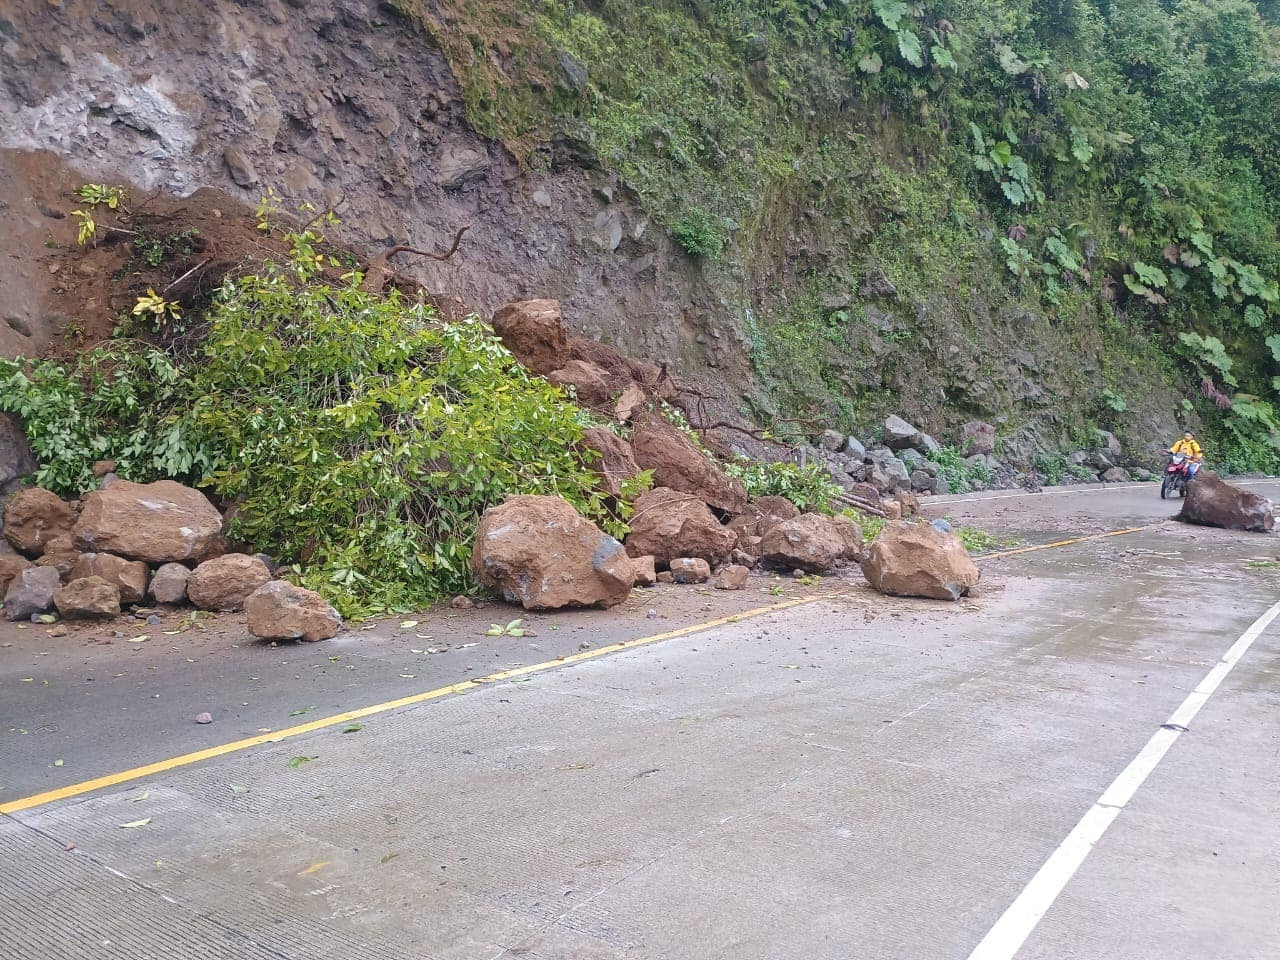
831,440
651,613
59,631
940,525
30,592
646,575
154,620
240,166
462,603
204,718
88,598
128,576
854,449
690,570
584,645
798,574
61,554
666,576
169,584
732,577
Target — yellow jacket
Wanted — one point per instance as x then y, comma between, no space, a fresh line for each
1189,447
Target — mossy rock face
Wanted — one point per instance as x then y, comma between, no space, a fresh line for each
808,147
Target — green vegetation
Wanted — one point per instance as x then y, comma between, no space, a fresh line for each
1110,169
960,475
809,487
357,438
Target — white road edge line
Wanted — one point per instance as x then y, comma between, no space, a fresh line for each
1073,491
1016,924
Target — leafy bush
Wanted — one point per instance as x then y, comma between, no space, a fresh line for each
119,402
960,475
362,441
699,233
808,487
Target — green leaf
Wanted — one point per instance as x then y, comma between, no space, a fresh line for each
238,789
910,49
943,58
1254,316
1150,276
135,823
890,12
296,762
353,728
871,63
1273,342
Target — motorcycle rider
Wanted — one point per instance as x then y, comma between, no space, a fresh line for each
1188,446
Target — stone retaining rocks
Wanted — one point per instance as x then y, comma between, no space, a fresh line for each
539,552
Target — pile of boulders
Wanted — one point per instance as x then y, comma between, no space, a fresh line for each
129,544
899,459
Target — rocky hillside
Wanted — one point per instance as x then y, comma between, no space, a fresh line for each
1054,217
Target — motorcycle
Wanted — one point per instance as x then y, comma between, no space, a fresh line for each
1176,476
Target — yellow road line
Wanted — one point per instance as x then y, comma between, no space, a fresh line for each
1065,543
186,759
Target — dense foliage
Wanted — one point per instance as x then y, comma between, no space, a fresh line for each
1115,163
354,436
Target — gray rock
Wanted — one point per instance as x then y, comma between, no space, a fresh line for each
575,74
831,440
940,525
1099,460
31,592
912,458
854,448
1111,444
976,437
898,434
240,166
1115,475
542,198
942,488
459,165
926,444
169,584
921,482
690,570
16,459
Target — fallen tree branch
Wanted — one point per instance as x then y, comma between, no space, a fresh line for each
379,272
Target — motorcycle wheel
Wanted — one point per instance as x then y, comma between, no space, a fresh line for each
1166,488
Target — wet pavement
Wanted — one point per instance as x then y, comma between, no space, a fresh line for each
850,777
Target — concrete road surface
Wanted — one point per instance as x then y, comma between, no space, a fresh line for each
1081,762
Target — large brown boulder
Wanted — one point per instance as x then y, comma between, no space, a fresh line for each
534,332
810,542
31,591
129,577
758,516
667,524
918,560
159,522
677,463
653,380
615,463
278,610
33,517
1213,502
88,598
539,552
224,583
589,383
